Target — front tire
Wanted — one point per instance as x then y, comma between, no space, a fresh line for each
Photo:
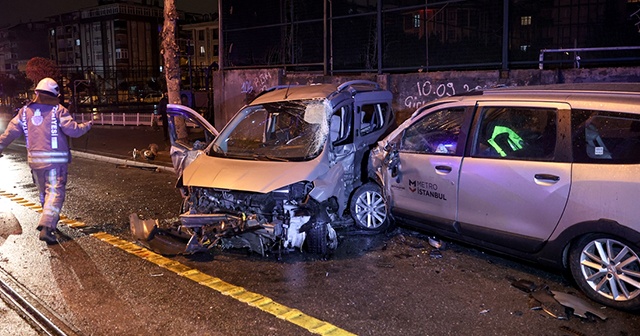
369,208
607,270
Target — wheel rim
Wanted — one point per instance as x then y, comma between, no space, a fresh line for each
611,268
371,211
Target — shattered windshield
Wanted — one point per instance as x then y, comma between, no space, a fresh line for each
280,131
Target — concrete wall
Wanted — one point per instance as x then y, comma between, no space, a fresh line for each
235,88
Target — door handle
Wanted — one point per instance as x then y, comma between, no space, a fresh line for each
548,177
444,169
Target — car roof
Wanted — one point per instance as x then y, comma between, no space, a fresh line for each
295,92
607,96
316,91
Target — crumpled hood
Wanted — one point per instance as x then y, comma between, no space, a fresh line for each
248,175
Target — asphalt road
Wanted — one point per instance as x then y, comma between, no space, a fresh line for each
389,284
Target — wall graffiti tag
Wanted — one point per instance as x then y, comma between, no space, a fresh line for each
428,91
256,84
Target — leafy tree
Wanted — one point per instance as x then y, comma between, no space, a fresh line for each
39,68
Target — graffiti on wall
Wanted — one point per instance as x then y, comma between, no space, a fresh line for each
257,84
428,91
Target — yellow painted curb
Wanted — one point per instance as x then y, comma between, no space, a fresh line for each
256,300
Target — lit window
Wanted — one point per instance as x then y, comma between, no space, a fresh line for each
525,20
416,21
525,47
77,42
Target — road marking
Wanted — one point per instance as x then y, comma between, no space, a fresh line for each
252,299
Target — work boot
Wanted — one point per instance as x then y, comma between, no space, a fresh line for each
46,235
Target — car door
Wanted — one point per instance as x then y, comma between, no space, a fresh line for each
515,184
423,182
190,134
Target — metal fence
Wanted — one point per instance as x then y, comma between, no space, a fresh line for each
118,119
338,36
123,119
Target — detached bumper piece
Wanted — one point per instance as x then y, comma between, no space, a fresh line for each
163,241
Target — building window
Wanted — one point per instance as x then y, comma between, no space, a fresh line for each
524,47
122,53
416,21
202,52
525,20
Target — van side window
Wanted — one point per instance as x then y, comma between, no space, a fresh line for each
340,126
437,132
605,137
517,133
372,117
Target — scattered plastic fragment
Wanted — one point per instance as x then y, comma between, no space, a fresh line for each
555,303
545,301
580,307
435,242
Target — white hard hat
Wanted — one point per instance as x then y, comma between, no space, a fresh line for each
48,85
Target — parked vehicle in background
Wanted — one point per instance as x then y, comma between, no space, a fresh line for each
283,171
152,97
549,174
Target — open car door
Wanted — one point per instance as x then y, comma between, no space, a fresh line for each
196,136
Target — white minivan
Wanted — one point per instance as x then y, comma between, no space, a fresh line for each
545,173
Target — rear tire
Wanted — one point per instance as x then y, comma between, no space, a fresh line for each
607,270
369,208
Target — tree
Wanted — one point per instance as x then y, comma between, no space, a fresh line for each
171,55
39,68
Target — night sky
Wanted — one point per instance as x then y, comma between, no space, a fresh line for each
15,11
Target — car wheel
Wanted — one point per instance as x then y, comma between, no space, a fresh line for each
369,208
607,269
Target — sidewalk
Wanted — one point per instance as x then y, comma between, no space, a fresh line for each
116,144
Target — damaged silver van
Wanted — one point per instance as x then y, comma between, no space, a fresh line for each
284,170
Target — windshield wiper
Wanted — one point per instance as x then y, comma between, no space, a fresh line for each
264,157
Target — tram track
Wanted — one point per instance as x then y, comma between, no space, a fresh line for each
36,313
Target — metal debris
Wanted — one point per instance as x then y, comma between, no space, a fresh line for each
150,153
545,301
555,303
580,307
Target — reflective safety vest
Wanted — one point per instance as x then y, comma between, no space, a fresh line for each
514,141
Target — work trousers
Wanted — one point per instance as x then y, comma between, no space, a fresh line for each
51,184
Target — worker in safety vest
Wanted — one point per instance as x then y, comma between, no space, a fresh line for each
46,125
